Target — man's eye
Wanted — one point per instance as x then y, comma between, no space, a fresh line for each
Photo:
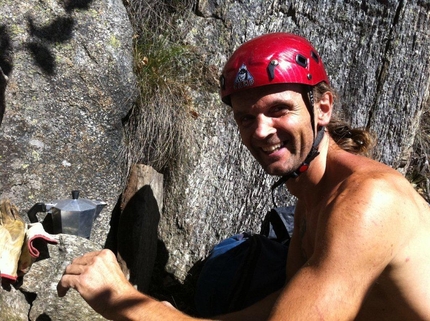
279,111
246,120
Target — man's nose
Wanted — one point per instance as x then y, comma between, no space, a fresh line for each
264,127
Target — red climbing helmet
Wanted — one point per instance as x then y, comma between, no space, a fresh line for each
274,58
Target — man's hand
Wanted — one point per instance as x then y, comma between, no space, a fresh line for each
100,281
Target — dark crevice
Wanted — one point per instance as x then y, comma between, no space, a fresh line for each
292,13
29,297
364,6
6,51
6,65
90,54
196,10
43,317
386,60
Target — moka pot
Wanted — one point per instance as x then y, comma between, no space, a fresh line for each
73,216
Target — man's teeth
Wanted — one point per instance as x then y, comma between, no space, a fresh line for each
269,149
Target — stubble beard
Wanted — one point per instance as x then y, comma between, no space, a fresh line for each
284,167
287,166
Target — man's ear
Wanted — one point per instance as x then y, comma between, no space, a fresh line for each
324,109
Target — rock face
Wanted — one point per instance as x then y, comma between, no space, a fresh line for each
36,297
70,83
13,305
40,283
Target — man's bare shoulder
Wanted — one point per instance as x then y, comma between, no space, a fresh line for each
369,203
374,192
371,183
379,198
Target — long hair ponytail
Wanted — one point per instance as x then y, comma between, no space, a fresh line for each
354,140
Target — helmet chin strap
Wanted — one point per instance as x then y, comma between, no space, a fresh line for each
312,153
303,167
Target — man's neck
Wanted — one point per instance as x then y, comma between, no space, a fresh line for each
307,185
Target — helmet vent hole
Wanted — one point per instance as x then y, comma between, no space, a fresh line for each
315,56
302,61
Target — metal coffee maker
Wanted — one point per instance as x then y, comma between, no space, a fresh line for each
73,216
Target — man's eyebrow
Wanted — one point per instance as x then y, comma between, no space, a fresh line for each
287,102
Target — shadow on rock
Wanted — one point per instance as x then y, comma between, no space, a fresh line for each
133,235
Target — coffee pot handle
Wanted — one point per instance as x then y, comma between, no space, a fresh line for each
38,207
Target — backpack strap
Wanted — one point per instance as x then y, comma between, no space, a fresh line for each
278,226
279,223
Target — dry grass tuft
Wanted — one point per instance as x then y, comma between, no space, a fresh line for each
159,129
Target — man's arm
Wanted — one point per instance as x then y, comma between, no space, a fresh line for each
257,312
356,238
100,281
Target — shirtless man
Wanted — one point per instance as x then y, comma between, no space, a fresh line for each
361,246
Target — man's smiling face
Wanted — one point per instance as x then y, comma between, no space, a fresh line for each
275,126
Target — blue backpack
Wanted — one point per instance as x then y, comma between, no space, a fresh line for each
246,267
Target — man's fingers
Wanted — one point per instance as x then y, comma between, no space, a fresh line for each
64,285
70,275
61,291
74,269
86,259
70,278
